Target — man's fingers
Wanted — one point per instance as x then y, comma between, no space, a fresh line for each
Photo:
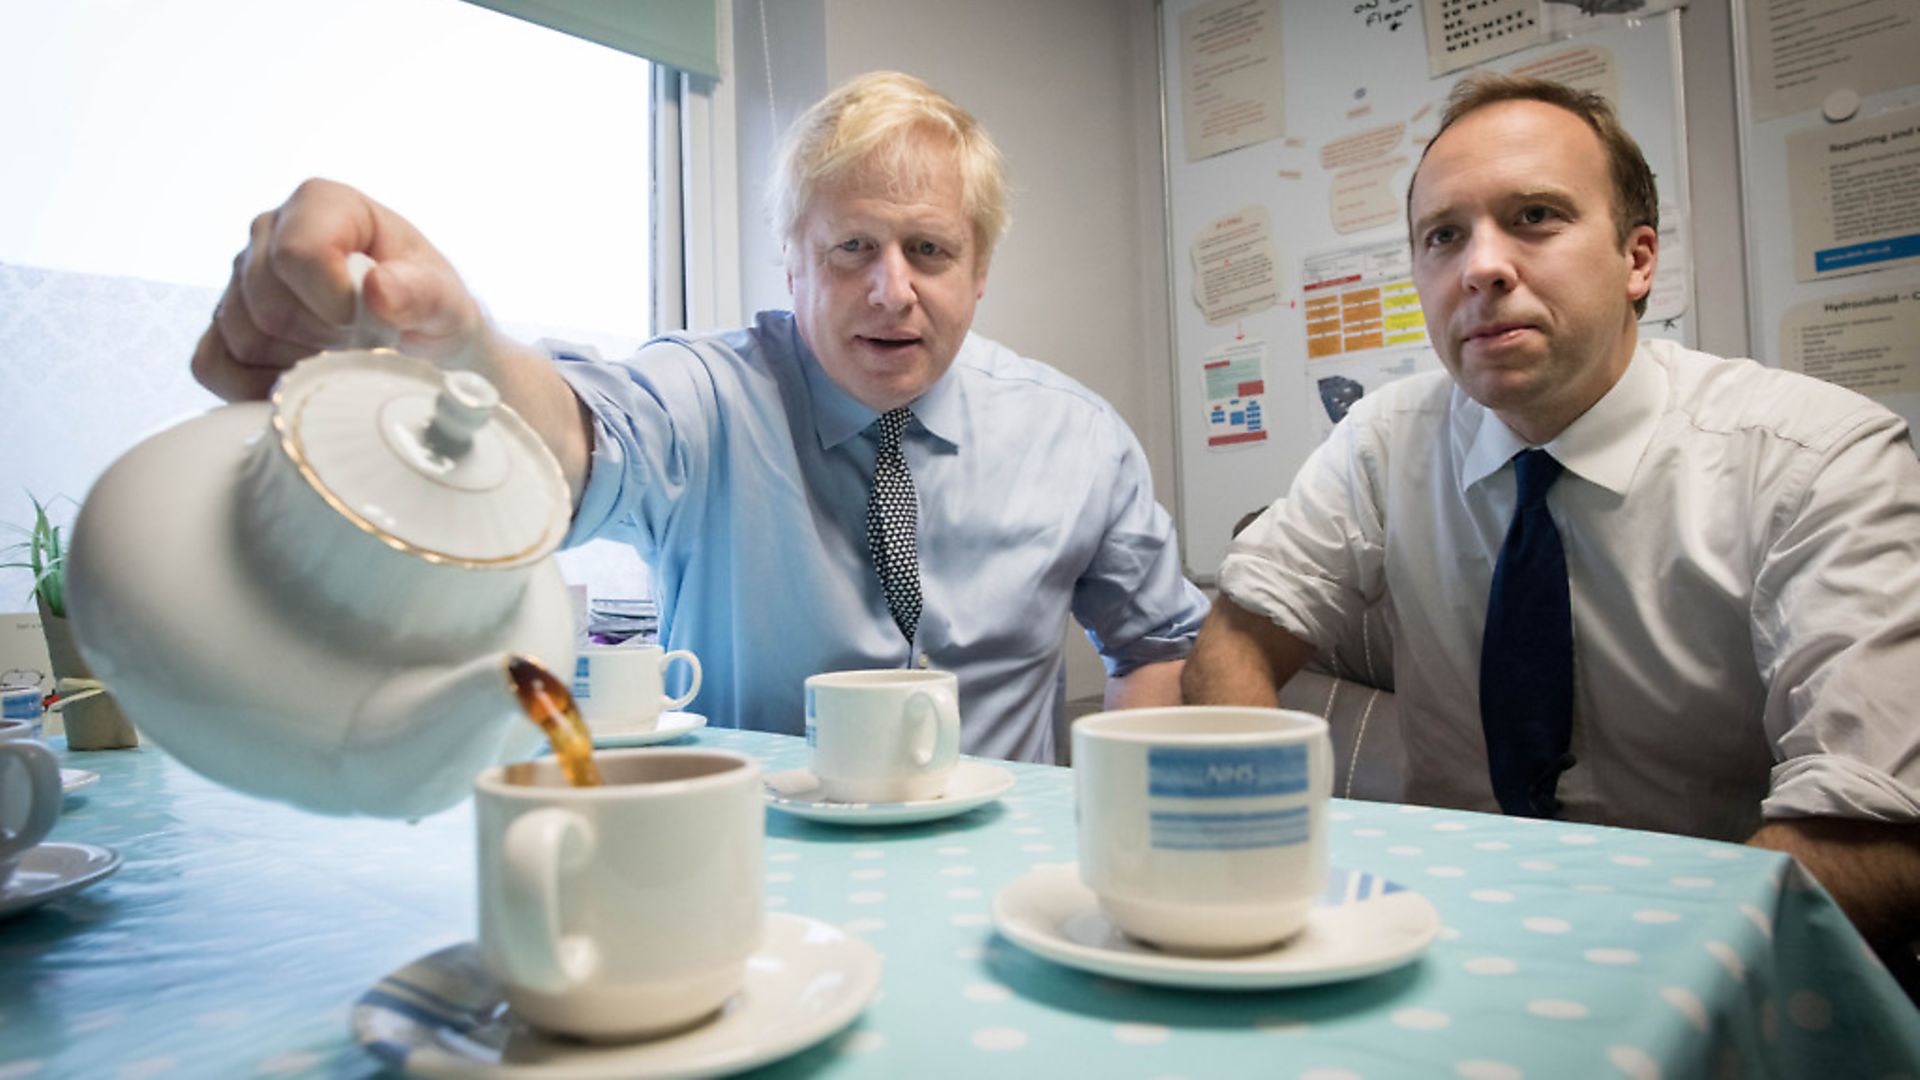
423,299
275,298
215,369
291,295
252,345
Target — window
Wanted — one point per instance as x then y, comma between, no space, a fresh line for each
143,135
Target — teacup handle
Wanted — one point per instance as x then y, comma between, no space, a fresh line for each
933,706
693,686
43,773
538,849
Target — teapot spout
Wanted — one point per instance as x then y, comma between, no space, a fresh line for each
418,740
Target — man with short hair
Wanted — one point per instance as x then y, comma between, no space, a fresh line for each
1630,583
860,483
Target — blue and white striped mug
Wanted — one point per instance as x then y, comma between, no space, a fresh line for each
1203,829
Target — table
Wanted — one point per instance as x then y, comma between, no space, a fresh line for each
238,933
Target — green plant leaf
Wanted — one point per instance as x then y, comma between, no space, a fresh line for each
46,558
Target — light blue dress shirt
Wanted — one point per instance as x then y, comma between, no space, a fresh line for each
740,472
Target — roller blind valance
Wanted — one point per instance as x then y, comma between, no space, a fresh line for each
680,33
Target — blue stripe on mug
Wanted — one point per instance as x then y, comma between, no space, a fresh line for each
1187,831
1188,773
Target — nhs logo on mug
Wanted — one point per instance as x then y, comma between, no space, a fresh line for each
1252,772
583,677
1199,777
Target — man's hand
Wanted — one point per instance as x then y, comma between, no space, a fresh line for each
291,296
1145,687
1241,658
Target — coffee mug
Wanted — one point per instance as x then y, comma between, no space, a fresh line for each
21,703
621,689
1203,829
626,910
891,735
29,793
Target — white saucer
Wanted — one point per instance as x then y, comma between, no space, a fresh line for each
1361,925
971,784
72,780
444,1015
672,725
48,871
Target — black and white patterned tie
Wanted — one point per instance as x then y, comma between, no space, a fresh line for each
893,520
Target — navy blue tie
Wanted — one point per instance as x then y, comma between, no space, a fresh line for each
1526,655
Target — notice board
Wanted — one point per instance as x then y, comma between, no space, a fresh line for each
1828,96
1290,129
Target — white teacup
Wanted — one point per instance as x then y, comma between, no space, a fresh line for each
29,793
889,735
621,689
1203,829
626,910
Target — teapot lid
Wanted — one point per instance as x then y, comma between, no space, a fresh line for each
428,461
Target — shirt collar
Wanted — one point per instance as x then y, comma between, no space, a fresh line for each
1603,446
838,416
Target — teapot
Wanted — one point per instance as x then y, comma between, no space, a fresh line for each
317,598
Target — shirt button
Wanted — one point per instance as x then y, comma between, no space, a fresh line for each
924,660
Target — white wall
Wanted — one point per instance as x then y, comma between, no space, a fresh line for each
1070,91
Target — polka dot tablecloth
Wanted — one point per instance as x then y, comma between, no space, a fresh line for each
237,935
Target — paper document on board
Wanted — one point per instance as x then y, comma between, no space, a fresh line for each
1463,33
1803,50
1232,92
1866,341
1856,195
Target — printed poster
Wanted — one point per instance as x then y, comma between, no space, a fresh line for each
1804,50
1236,378
1336,383
1865,341
1464,33
1361,298
1673,273
1362,194
1233,93
1855,190
1233,267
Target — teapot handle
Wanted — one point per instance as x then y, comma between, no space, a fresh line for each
367,331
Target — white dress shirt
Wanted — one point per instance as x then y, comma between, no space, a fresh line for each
1743,553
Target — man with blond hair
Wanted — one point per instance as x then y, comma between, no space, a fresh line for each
1630,583
858,483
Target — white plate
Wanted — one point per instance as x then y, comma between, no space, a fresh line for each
971,784
672,725
444,1016
1361,925
72,780
48,871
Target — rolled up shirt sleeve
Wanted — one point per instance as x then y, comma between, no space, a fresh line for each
1314,560
1134,600
1837,629
651,415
